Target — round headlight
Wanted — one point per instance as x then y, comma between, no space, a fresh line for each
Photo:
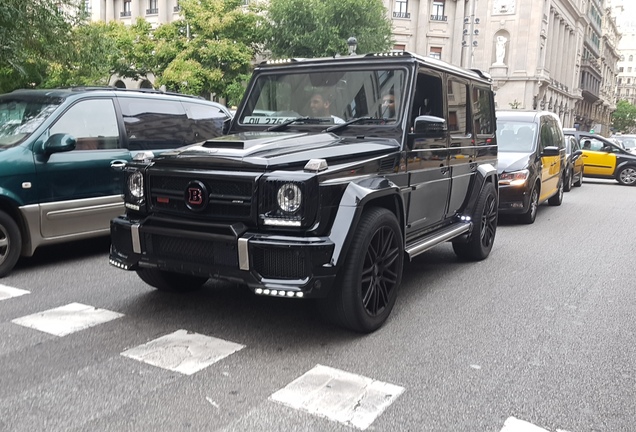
136,184
289,197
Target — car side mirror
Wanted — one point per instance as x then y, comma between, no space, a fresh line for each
226,125
58,143
430,126
577,153
550,151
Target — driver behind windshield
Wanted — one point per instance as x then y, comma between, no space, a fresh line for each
319,105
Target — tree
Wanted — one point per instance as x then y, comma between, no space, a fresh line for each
320,28
32,34
624,118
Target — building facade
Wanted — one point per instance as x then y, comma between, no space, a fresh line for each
541,55
624,10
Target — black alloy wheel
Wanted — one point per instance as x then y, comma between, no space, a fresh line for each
485,220
371,275
10,243
557,198
531,214
567,184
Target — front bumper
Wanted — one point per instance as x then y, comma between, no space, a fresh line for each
268,264
514,199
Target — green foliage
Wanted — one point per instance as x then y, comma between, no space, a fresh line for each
320,28
624,118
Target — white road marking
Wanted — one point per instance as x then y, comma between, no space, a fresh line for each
67,319
7,292
340,396
515,425
182,351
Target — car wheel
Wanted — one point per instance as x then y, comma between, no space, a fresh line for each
579,181
531,214
371,275
567,183
482,237
171,282
10,244
557,199
627,176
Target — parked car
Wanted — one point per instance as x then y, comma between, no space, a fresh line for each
574,163
627,142
603,158
56,152
531,162
298,207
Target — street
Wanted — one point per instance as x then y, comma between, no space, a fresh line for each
542,332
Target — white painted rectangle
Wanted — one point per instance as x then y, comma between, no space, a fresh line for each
340,396
67,319
183,351
515,425
7,292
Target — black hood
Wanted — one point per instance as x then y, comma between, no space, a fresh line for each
512,161
276,150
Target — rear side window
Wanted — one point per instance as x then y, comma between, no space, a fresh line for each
458,108
482,111
206,121
93,123
155,124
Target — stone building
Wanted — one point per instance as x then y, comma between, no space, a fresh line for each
541,55
624,10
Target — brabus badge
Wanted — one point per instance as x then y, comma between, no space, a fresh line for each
196,196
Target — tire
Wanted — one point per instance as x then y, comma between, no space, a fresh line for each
10,243
579,181
371,275
567,183
529,216
627,175
557,199
484,219
171,282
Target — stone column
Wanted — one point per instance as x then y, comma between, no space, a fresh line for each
549,41
109,10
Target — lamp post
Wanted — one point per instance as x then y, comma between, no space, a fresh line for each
352,42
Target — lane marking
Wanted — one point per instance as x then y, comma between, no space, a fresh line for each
515,425
347,398
7,292
68,319
183,351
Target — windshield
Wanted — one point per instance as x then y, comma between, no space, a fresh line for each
20,117
325,97
516,136
625,142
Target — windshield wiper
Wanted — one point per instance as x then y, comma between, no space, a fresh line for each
286,123
356,120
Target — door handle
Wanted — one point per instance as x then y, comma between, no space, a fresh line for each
118,164
444,170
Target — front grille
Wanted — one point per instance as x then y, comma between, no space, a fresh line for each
228,196
196,251
276,263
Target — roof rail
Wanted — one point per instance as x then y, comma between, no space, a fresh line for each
139,90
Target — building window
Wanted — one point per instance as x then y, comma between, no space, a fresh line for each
152,8
438,11
399,47
127,9
400,10
629,69
87,6
435,52
629,80
631,58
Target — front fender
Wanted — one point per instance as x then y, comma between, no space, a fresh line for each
356,196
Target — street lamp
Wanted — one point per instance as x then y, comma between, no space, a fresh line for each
352,42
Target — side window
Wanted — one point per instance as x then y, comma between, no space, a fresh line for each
458,108
592,144
428,99
155,123
482,111
92,122
206,121
546,135
557,134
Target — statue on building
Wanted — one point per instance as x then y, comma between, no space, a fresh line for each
500,49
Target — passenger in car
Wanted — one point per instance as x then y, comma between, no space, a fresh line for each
587,145
319,105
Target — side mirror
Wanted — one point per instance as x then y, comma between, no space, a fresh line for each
226,125
59,142
577,153
430,126
550,151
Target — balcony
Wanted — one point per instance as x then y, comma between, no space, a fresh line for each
124,14
439,18
154,11
404,15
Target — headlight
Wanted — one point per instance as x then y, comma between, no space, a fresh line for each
289,198
515,178
136,184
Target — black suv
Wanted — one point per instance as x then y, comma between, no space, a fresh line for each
57,147
334,172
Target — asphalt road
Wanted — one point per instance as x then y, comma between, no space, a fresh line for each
542,331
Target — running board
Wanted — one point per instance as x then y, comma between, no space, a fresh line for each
428,242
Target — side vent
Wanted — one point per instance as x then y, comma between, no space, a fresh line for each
387,164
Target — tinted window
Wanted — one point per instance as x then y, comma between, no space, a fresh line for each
458,107
155,123
206,121
482,111
93,123
516,136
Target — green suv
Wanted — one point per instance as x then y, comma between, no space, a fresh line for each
58,149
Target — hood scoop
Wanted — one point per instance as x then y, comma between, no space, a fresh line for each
247,140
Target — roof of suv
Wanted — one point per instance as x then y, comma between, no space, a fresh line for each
100,91
523,115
